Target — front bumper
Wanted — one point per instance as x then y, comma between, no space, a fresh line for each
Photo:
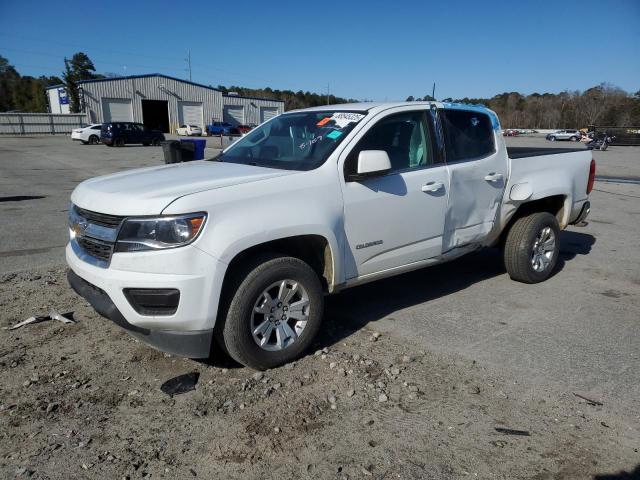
195,274
194,344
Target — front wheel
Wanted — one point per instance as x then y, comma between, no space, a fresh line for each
274,311
156,141
532,247
552,139
574,139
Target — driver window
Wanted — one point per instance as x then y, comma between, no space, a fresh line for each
405,138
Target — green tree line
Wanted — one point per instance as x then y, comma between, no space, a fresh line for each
603,104
28,94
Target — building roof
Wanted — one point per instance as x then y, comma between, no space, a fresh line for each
177,80
56,86
129,77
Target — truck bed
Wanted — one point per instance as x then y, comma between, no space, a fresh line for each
521,152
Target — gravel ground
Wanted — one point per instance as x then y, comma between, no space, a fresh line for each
462,351
83,400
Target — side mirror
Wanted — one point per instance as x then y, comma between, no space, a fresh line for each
371,163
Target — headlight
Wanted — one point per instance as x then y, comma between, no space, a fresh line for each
139,234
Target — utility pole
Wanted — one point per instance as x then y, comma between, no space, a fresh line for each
433,92
188,60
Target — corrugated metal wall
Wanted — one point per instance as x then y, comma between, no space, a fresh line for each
39,123
171,90
151,88
252,106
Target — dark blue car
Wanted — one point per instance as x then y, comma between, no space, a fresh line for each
123,133
220,128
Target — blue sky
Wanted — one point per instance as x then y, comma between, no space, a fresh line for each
376,50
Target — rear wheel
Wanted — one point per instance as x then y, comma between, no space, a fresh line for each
119,142
94,140
553,139
156,141
532,247
274,310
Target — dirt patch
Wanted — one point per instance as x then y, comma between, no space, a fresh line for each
83,400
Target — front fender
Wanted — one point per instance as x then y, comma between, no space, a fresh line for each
243,216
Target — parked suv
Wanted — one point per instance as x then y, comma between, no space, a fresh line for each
573,135
219,128
122,133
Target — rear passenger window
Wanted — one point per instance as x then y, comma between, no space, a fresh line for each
468,135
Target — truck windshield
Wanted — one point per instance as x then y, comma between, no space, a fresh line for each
293,141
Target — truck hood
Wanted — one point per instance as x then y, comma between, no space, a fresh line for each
148,191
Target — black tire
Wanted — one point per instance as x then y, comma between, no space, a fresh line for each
574,139
519,247
552,139
245,288
119,142
146,144
156,141
94,140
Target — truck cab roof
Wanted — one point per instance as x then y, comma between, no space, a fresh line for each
376,107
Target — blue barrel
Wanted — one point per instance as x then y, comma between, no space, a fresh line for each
199,144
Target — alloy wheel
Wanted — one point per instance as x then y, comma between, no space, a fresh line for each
280,315
543,249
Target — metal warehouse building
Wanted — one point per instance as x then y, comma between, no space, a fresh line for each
165,103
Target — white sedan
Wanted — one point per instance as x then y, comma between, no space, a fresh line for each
90,134
189,130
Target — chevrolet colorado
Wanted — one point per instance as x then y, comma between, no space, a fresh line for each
237,252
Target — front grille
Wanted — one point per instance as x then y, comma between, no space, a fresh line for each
96,248
99,218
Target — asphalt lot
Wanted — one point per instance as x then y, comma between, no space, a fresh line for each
577,332
37,176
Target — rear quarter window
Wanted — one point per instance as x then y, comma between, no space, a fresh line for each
468,135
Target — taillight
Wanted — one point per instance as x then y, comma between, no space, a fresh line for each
592,176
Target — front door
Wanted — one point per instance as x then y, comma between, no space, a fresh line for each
478,172
398,218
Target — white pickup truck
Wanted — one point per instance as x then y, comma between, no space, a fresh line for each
237,252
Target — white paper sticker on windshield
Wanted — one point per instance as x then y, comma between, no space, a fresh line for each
342,119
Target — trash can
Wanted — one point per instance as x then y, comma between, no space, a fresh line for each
172,151
187,150
199,145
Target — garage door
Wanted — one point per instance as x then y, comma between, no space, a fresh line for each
267,113
233,114
190,113
117,110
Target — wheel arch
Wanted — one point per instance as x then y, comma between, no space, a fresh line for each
314,249
557,205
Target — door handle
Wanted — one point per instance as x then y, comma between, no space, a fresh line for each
493,177
432,187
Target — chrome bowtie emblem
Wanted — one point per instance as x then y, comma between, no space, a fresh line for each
79,228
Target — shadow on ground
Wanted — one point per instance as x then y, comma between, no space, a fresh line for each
622,475
352,309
